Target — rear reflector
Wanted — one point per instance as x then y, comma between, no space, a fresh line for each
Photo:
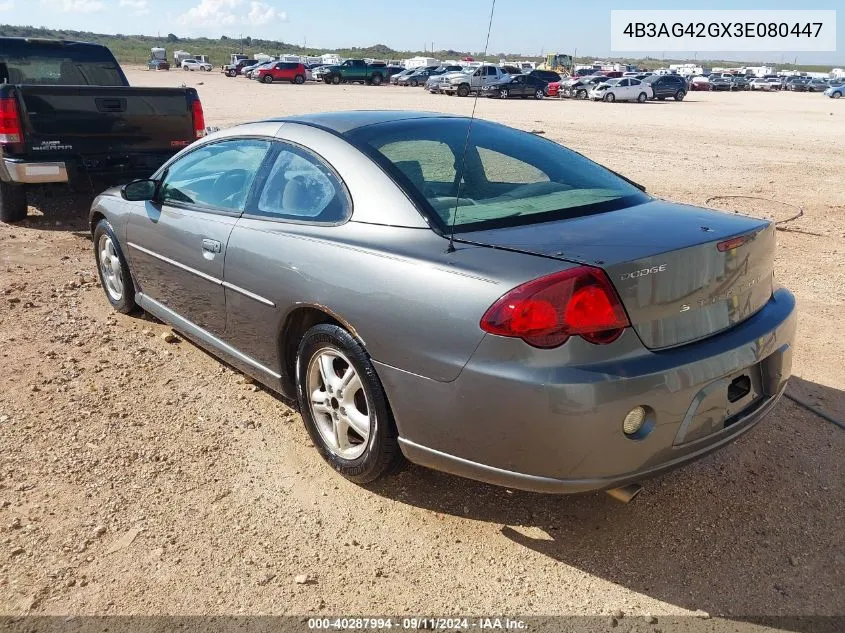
547,311
10,121
732,243
199,118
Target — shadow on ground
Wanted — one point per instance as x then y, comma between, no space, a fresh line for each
755,529
63,211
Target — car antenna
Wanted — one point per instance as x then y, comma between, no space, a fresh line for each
451,247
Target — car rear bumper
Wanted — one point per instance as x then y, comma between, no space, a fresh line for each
518,417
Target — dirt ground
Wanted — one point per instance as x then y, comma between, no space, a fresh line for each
139,476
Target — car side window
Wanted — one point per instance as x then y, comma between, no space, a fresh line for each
623,83
634,82
217,175
300,186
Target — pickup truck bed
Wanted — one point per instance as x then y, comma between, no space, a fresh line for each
86,136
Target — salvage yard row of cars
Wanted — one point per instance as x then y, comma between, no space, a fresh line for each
503,81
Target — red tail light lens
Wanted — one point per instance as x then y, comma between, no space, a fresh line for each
10,121
732,243
545,312
199,118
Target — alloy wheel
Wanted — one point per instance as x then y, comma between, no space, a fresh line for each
339,405
110,268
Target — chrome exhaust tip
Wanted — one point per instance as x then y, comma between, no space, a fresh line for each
625,494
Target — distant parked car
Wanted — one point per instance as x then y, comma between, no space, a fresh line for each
800,84
775,83
818,85
666,86
194,64
463,84
740,83
516,86
760,84
420,75
699,83
233,70
579,87
434,83
720,83
624,89
158,64
282,71
546,75
836,90
394,79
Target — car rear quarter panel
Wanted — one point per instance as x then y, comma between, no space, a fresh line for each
412,304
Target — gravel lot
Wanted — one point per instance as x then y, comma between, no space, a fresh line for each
140,476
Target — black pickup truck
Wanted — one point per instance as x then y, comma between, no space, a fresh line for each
68,115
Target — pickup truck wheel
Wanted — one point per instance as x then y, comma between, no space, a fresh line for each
113,269
335,79
299,79
377,80
463,90
12,202
230,73
268,79
679,96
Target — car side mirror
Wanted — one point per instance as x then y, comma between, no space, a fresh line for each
139,190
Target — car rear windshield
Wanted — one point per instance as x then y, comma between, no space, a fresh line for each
59,65
507,177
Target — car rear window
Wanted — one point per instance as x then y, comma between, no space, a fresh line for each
509,177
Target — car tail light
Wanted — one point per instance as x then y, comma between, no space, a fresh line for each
199,118
732,243
545,312
10,121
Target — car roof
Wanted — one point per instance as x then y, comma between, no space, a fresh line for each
346,121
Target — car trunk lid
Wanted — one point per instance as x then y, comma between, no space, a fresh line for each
676,282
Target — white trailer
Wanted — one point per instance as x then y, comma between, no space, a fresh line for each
421,62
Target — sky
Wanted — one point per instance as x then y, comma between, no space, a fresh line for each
530,27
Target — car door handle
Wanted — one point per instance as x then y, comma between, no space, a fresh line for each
211,246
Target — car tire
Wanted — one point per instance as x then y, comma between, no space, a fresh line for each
538,94
414,83
503,93
335,79
581,94
299,80
13,206
609,97
377,79
329,350
231,73
115,277
679,96
463,90
268,79
642,97
836,95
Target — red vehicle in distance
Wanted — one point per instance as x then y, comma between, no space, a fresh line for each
293,72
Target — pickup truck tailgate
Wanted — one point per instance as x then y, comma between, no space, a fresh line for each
62,121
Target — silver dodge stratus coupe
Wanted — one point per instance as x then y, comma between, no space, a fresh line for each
478,299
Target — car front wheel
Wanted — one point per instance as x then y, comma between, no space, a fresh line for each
539,94
113,269
503,93
610,97
268,79
463,90
343,405
642,97
836,95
